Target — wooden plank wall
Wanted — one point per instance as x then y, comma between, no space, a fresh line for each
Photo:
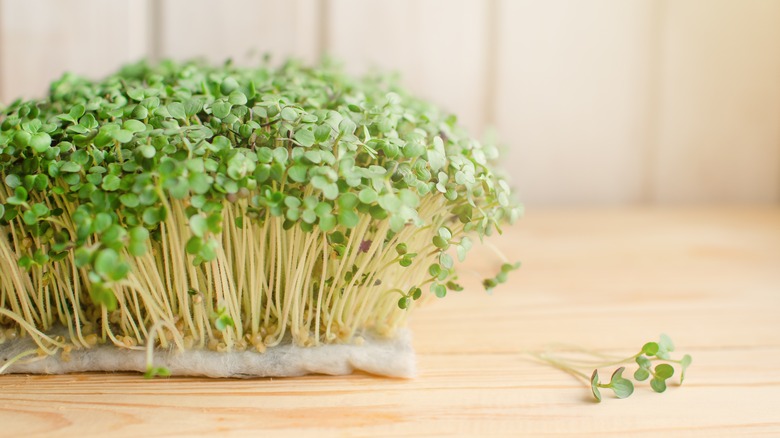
597,101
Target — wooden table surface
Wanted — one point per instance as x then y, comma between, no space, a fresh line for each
607,279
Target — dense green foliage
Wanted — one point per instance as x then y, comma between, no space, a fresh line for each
229,205
214,134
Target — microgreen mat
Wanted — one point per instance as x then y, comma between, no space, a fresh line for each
229,208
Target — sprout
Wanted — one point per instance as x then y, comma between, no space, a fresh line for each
230,203
623,388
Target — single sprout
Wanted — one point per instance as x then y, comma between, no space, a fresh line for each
238,207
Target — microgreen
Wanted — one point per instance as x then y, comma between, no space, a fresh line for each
295,200
653,360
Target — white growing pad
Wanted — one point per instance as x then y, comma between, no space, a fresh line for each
392,357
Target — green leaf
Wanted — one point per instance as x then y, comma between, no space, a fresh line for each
103,296
297,173
305,137
641,374
25,262
330,191
22,138
129,200
70,167
327,222
106,261
280,155
347,201
237,98
140,112
594,385
643,362
650,348
221,109
88,121
509,267
147,151
390,203
123,136
40,210
41,182
76,111
685,362
664,371
289,114
102,222
138,234
666,343
348,218
440,243
347,127
19,197
368,196
314,155
200,183
134,126
13,181
40,142
111,183
82,257
439,290
138,241
322,133
621,386
223,322
29,218
193,245
154,215
446,260
191,107
136,94
658,385
404,302
177,110
41,257
198,225
152,372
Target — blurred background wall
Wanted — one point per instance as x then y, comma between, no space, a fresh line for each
597,101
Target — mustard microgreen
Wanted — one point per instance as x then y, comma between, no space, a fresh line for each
651,353
296,200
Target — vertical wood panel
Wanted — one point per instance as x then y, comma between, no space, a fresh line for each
574,97
438,46
41,39
719,120
243,30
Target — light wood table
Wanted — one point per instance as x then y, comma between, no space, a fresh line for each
606,279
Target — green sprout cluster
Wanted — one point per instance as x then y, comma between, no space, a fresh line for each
228,207
657,353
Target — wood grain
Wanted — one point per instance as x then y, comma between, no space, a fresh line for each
42,39
243,30
438,47
719,108
609,279
574,101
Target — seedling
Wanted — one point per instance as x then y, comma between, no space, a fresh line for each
230,208
651,353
